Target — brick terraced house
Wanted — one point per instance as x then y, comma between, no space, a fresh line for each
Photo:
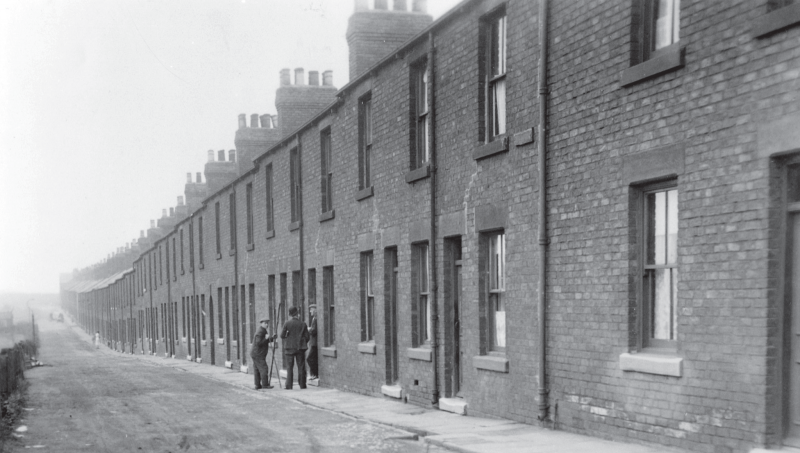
584,215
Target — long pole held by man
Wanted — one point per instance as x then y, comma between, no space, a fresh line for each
258,353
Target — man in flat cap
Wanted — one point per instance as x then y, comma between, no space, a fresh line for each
295,342
258,353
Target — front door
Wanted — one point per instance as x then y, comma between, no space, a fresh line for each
793,299
452,294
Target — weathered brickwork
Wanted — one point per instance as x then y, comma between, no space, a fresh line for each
717,122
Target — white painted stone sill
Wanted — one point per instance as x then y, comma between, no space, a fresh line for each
392,391
329,351
367,348
645,362
423,354
491,363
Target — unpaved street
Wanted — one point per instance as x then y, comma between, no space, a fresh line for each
87,400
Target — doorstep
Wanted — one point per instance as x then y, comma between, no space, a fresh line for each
454,405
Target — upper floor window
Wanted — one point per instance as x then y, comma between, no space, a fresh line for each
217,228
200,239
326,170
328,306
495,75
174,260
364,142
268,185
182,266
660,26
294,183
659,292
249,202
232,219
420,131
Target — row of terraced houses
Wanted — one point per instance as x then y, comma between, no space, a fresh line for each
584,215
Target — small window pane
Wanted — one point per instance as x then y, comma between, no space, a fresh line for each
672,226
667,22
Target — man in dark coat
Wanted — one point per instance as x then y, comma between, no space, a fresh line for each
295,342
313,365
258,353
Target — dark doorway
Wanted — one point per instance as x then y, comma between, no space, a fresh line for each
453,335
390,315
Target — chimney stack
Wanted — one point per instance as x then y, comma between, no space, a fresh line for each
313,78
254,120
242,121
211,155
298,103
374,34
299,77
285,77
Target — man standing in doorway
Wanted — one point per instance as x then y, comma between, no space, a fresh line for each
313,365
259,355
295,342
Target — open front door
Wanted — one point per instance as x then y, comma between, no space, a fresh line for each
793,307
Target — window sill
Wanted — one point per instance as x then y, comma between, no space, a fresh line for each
423,354
184,340
234,343
419,173
499,145
776,20
294,226
367,348
364,193
524,137
219,256
329,351
203,342
325,216
669,59
251,247
201,266
220,341
183,272
270,234
231,252
491,363
651,363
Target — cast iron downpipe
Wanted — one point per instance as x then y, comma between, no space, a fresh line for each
543,240
302,230
236,291
432,252
195,302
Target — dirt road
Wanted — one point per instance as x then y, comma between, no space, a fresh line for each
92,401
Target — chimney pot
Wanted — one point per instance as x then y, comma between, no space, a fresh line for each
266,121
313,78
221,155
254,120
381,4
242,121
299,77
141,233
163,213
232,155
400,5
171,212
327,78
152,223
199,177
211,155
189,178
285,77
420,6
180,200
362,5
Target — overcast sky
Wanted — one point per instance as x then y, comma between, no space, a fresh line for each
105,105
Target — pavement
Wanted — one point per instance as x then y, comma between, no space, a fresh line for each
454,432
